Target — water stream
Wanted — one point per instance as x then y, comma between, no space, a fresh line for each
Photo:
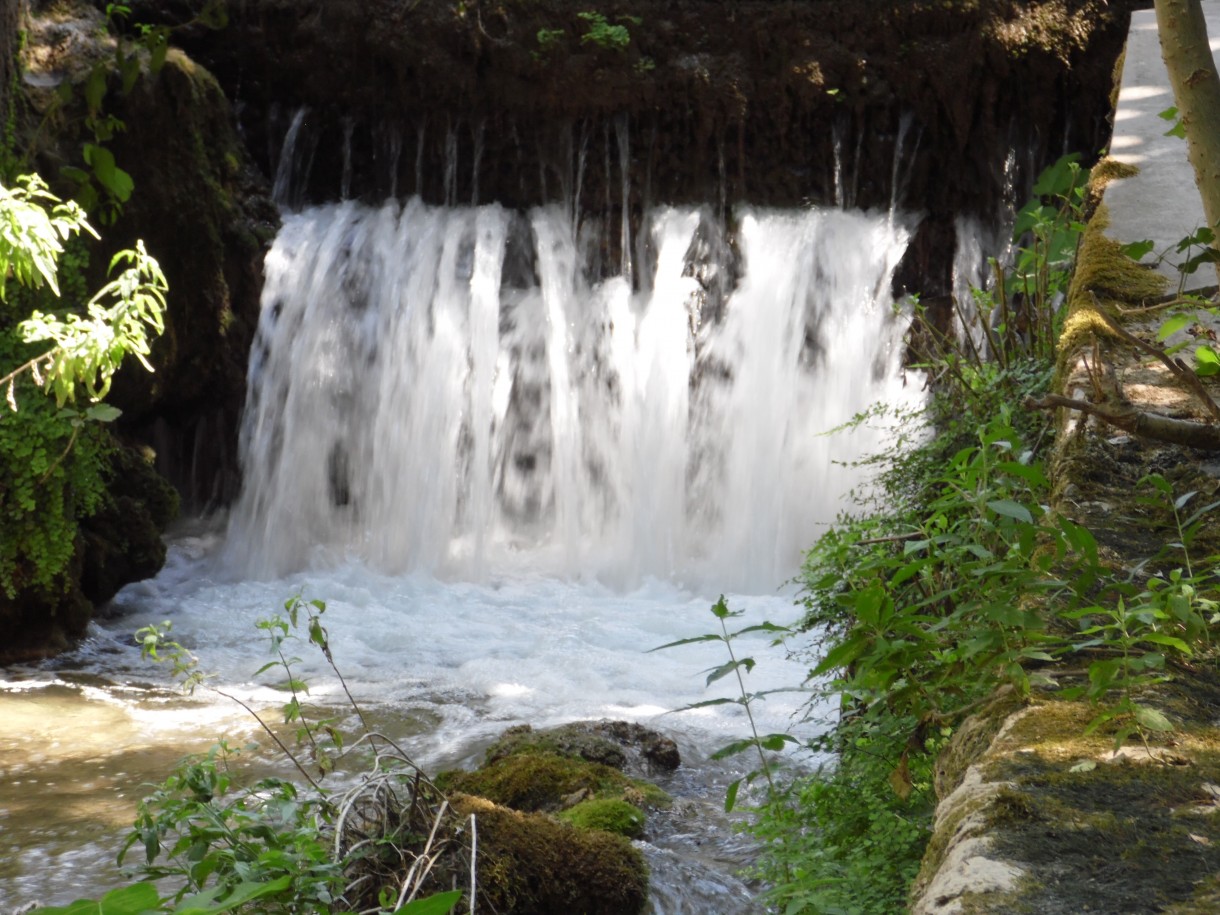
509,475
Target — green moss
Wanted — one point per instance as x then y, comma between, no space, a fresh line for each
569,741
1205,901
608,815
1104,277
1105,272
537,781
530,864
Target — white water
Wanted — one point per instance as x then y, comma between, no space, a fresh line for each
508,481
415,407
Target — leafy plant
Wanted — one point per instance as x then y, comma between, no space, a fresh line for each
301,848
51,455
602,33
758,743
1171,114
550,38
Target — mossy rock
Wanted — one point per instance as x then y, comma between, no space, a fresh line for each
620,744
548,782
567,740
608,815
531,864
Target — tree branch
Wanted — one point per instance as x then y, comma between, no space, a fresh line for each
1138,422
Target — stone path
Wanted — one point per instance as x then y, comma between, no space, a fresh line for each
1161,203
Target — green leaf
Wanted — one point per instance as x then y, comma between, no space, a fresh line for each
1172,326
1152,719
727,668
763,627
710,637
137,899
1137,249
160,48
775,742
440,904
95,89
103,413
205,903
1181,500
1009,509
1206,362
1158,638
732,749
840,656
708,703
730,796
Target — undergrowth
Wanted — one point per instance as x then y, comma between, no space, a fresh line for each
952,578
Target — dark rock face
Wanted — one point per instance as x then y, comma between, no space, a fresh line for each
206,216
941,107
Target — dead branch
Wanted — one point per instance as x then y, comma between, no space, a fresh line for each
1131,419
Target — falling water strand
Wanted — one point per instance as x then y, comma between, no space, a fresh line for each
395,142
283,187
345,184
444,389
622,131
901,167
477,164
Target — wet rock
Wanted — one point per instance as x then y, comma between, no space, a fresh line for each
619,744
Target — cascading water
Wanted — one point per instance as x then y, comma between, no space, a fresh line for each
510,471
444,390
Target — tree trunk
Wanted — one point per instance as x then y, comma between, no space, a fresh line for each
1196,91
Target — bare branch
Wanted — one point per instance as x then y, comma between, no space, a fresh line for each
1138,422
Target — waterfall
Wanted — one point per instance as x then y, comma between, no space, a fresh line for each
448,389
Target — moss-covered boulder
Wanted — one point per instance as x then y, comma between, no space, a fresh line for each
530,864
540,781
608,815
620,744
565,810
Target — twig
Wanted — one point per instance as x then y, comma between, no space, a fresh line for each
403,898
1160,306
296,762
893,538
474,860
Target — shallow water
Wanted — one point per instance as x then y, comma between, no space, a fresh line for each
443,666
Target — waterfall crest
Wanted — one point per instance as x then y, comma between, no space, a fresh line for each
447,389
